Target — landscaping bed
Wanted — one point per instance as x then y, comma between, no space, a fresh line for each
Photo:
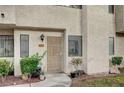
12,80
31,71
102,81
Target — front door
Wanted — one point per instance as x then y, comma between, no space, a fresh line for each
54,52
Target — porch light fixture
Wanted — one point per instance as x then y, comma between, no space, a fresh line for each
42,37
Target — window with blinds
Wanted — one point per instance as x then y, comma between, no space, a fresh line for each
111,45
75,45
6,46
24,45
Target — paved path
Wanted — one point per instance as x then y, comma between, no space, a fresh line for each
52,80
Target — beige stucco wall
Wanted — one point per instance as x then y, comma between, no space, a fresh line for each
99,24
34,41
6,32
9,14
84,25
51,17
119,20
120,48
48,16
43,17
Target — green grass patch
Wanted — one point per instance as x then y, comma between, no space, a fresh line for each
116,81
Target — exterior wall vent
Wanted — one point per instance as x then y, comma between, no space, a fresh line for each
2,15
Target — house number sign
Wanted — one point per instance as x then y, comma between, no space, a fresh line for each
41,45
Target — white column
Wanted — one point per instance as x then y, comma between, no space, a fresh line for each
17,70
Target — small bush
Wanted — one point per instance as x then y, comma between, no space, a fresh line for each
4,67
76,62
30,64
117,60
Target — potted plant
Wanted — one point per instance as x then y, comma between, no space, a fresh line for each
42,76
72,74
37,72
116,61
76,62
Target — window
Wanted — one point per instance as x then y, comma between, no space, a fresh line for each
111,45
75,46
76,6
24,45
111,9
72,6
6,46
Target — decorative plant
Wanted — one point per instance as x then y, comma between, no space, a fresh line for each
117,60
39,69
37,72
11,69
4,69
30,64
76,62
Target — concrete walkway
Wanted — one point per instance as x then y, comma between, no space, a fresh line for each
52,80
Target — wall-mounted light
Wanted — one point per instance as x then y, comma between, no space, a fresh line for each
42,37
2,15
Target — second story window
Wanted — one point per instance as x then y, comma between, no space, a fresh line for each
76,6
111,9
73,6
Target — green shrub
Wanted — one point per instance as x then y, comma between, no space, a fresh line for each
4,67
30,64
11,69
117,60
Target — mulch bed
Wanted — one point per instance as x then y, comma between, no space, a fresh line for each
11,80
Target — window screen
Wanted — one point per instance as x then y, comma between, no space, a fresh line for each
24,45
111,45
75,46
6,46
111,9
